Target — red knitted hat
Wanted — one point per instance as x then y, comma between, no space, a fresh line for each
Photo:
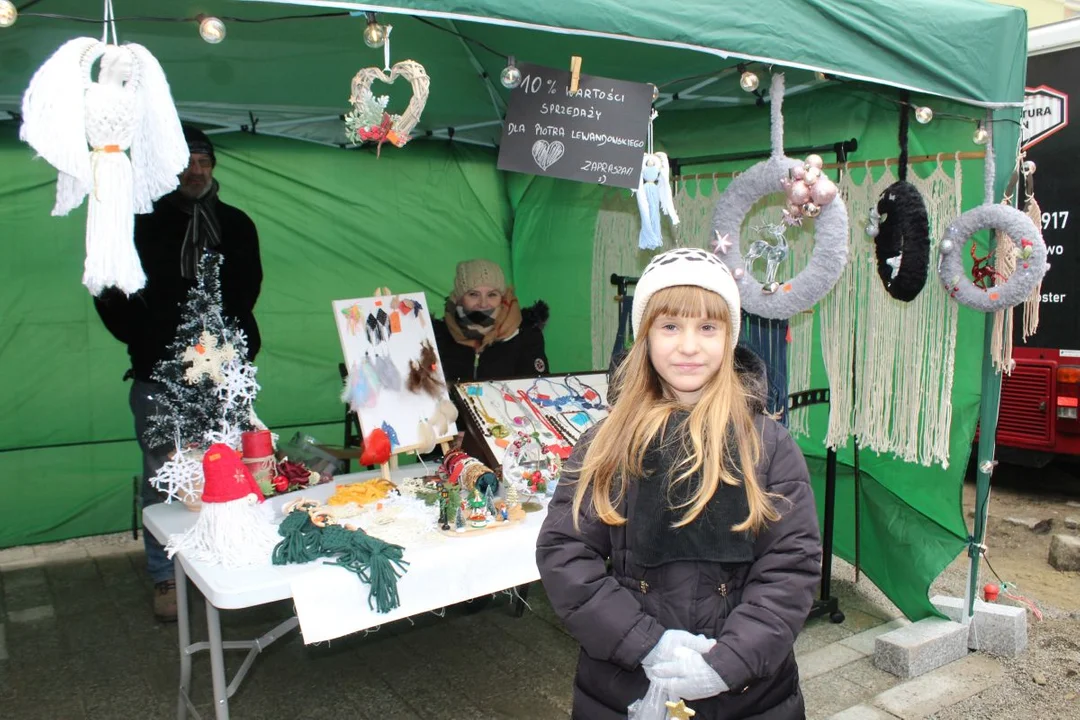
227,478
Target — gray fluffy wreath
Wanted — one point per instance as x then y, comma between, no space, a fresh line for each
830,252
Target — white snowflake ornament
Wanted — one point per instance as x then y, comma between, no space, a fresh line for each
180,478
208,359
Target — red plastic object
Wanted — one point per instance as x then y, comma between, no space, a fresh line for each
990,592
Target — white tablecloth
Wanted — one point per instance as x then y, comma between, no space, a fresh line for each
332,602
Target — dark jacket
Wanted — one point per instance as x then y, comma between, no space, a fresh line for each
520,355
754,609
146,322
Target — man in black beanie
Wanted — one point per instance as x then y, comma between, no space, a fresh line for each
184,224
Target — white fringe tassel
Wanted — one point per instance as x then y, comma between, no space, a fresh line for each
232,534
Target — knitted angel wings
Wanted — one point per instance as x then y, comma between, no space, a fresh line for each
85,128
653,197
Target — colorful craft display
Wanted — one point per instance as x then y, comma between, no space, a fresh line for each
552,412
781,300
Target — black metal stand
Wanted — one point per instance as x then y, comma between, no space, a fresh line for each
826,604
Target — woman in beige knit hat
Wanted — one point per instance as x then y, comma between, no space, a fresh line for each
484,334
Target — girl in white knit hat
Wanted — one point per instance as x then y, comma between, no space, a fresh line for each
681,546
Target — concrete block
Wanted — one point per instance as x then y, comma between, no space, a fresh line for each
862,712
1065,553
34,614
995,629
1039,527
864,642
918,648
942,688
825,660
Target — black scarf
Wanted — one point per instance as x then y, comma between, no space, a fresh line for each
656,508
203,230
476,324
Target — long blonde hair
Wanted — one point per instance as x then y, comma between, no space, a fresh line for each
641,412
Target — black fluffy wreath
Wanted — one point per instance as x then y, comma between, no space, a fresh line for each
905,228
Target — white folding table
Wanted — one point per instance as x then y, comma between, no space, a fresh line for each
438,575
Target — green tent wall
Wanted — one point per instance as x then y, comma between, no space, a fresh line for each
339,223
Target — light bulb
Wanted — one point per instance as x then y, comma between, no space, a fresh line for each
981,136
211,29
510,77
8,13
924,114
820,76
374,35
748,81
655,92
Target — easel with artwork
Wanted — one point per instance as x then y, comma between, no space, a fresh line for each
395,383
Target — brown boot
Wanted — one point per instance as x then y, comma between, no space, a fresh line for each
165,601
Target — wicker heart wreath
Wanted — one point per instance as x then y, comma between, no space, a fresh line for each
777,175
988,291
369,122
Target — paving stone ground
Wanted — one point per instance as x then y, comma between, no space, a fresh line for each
78,640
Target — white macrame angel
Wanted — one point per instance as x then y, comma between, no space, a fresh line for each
654,197
85,128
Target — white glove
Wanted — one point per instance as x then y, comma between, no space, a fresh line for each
664,650
687,675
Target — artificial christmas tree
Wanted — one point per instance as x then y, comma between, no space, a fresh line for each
209,385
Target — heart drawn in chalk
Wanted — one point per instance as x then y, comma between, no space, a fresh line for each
547,154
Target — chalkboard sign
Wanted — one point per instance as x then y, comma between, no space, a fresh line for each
596,135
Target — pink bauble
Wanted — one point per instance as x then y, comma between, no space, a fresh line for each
798,193
814,161
812,175
798,171
823,192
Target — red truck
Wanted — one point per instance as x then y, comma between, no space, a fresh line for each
1039,399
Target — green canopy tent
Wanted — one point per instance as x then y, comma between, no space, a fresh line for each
336,224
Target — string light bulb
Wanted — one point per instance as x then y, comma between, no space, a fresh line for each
8,13
374,33
748,81
211,29
655,92
981,136
924,114
510,77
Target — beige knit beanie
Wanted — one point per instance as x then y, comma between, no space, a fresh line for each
477,273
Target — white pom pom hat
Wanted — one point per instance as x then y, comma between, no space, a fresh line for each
687,266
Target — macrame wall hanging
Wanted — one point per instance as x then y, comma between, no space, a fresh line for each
369,121
890,364
778,174
86,128
900,229
695,201
1001,345
988,290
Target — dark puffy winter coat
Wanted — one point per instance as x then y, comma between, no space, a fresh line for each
617,611
146,322
520,355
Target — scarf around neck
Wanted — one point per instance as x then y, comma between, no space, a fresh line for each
477,332
203,230
656,508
